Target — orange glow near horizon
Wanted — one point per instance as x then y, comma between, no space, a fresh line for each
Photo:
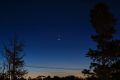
55,73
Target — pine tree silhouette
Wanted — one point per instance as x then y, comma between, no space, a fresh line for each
107,55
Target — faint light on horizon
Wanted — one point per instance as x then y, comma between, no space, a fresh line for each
55,73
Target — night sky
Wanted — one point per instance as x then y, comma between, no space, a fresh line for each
56,33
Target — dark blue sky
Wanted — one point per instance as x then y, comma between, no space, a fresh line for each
40,23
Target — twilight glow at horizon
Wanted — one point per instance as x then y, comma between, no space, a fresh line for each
56,33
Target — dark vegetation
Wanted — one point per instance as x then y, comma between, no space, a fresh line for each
56,78
13,67
105,58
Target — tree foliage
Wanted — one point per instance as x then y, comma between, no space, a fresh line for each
106,57
14,60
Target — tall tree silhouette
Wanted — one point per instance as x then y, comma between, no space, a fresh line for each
106,57
14,59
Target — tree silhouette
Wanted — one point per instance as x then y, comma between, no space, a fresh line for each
86,72
106,57
14,59
3,75
57,78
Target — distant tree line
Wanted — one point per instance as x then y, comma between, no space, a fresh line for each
55,78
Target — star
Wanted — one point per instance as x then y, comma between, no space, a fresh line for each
59,39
